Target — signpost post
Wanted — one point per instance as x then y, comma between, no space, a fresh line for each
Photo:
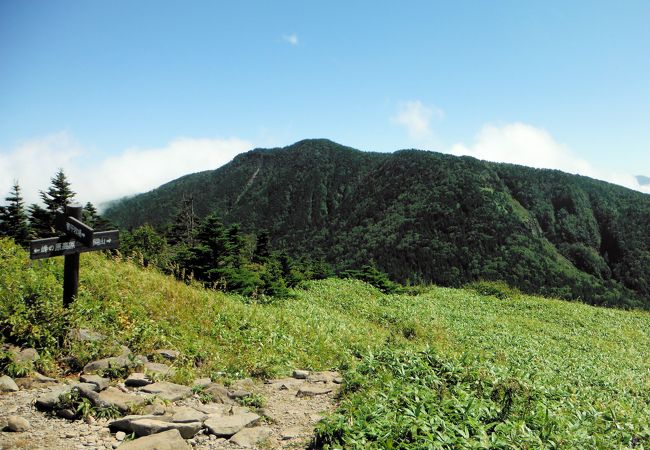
80,238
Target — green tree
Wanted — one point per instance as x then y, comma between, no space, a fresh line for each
55,199
13,218
145,243
92,218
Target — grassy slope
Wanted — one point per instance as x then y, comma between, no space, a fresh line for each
588,368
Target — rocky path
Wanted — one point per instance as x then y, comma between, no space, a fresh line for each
275,414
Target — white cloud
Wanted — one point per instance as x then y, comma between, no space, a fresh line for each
523,144
132,171
416,118
290,38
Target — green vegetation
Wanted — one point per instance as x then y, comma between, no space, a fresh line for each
482,367
422,217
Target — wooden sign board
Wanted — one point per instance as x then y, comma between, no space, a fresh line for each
62,246
80,238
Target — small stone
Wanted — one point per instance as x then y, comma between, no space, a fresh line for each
100,382
202,382
17,424
67,414
250,437
311,391
300,374
120,436
239,393
7,384
168,354
48,401
137,379
166,440
337,380
168,391
229,425
157,369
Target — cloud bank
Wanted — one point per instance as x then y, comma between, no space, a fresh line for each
524,144
132,171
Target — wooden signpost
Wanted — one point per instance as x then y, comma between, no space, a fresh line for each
79,238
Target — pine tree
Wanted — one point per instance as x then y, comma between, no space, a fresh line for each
59,194
13,219
92,218
183,228
55,199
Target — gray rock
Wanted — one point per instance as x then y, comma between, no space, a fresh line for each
168,391
166,440
311,391
229,425
25,356
86,386
301,374
126,423
7,384
48,401
17,424
239,393
186,414
145,427
101,383
67,414
219,393
215,409
250,437
120,436
161,370
123,401
202,382
137,379
169,354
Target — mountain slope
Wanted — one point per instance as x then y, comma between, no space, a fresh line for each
428,217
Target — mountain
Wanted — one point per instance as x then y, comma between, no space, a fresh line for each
644,181
427,217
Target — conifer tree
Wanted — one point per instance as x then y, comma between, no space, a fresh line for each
92,218
183,228
55,199
13,218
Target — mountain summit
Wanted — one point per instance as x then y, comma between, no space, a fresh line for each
426,217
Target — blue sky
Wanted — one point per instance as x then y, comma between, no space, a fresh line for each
125,95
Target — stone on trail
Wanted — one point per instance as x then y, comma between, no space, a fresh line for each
215,409
17,424
226,426
250,437
311,391
162,370
219,393
7,384
187,414
292,433
126,423
300,374
168,354
166,440
101,383
145,427
202,382
49,400
239,393
169,391
121,400
137,379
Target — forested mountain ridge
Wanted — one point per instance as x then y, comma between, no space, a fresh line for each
427,217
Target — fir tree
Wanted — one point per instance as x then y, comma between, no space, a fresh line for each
55,199
13,219
92,218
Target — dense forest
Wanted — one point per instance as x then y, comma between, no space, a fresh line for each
424,217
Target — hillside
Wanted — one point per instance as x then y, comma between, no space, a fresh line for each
426,217
447,366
